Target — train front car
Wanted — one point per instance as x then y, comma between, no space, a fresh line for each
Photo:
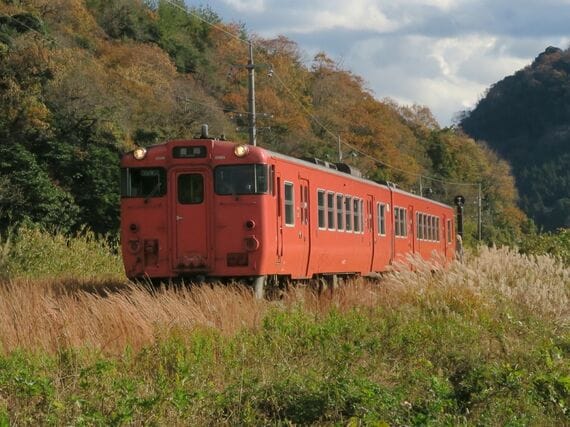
194,209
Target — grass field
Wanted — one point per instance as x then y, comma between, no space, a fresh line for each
484,342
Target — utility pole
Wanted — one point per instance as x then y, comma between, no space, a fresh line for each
251,96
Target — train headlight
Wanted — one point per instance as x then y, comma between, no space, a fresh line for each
139,153
241,150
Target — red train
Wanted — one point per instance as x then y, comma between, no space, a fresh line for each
206,208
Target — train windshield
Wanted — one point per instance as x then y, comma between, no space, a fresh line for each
242,179
143,182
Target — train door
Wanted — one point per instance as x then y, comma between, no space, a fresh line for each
191,235
304,226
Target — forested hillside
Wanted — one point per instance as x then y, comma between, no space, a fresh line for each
526,118
81,81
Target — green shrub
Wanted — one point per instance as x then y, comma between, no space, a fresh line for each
556,244
33,253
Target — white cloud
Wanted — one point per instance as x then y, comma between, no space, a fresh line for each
256,6
440,53
447,75
356,16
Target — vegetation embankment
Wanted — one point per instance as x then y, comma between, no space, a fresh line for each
482,342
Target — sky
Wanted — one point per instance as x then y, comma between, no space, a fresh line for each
443,54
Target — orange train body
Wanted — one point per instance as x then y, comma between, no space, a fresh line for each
205,208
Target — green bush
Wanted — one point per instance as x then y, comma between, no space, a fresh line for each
557,244
33,253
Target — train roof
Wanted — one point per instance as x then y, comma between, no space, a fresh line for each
345,175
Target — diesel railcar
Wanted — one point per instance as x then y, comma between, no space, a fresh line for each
213,209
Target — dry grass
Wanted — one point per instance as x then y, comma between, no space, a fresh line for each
50,316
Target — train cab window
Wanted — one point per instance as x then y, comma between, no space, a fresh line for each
448,231
242,179
348,212
382,219
143,182
321,208
330,210
190,188
289,204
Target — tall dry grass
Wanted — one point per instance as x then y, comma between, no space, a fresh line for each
50,316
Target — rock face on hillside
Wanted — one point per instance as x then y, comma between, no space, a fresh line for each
526,119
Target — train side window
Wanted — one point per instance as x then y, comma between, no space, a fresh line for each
357,215
418,226
289,204
361,202
431,233
321,209
437,229
382,219
400,222
424,226
348,212
190,189
396,221
421,226
339,213
330,210
448,231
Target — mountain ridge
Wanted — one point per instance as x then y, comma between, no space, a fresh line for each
525,117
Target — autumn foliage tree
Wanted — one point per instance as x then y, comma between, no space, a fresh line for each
84,81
